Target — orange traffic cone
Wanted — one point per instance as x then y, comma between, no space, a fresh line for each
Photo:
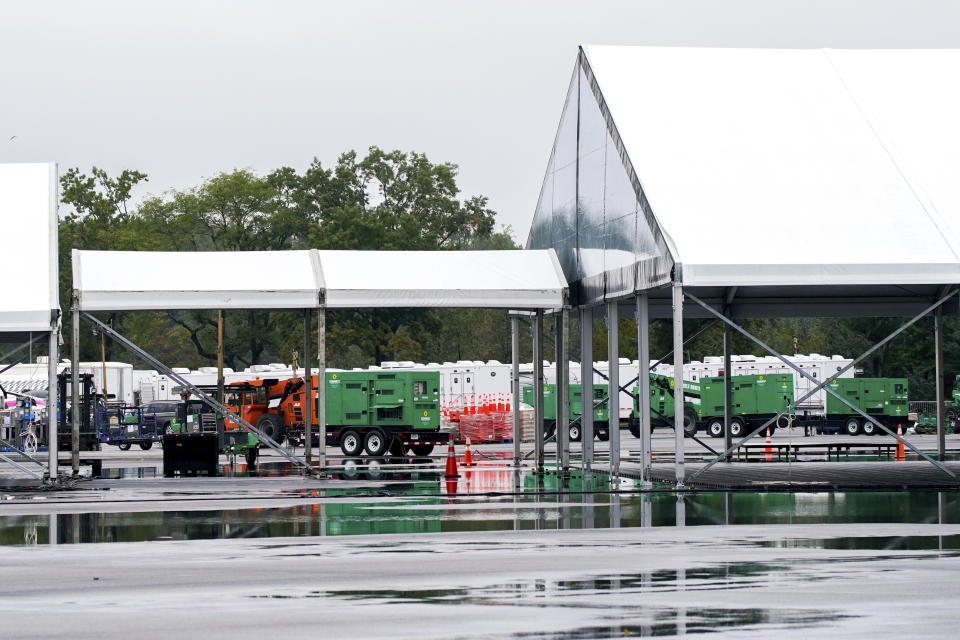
467,457
768,451
901,454
451,471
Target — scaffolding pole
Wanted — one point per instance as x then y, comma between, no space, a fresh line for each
515,386
586,382
538,388
678,390
322,389
643,394
613,395
563,392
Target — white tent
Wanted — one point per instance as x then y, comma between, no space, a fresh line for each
157,280
490,279
28,260
812,178
143,280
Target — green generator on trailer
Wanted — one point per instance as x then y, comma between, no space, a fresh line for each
601,410
661,405
883,399
383,412
754,399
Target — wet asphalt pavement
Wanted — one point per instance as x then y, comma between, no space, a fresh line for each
838,581
391,549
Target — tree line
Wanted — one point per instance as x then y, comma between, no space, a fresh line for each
392,201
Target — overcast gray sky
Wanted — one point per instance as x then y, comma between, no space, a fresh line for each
184,90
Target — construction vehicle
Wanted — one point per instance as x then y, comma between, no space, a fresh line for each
601,410
378,412
662,405
754,399
90,403
196,416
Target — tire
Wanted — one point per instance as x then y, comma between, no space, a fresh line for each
351,443
783,422
689,422
252,455
146,445
167,428
870,429
603,436
124,446
575,433
271,425
715,427
422,449
376,443
549,428
736,428
852,427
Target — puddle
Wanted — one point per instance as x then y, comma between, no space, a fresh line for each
619,598
415,506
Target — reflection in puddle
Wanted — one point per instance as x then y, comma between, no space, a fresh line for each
415,506
628,612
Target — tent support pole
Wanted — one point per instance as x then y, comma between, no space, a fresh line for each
678,390
586,382
307,390
938,368
563,392
613,388
515,385
204,397
538,387
727,372
322,388
52,360
75,390
822,384
643,395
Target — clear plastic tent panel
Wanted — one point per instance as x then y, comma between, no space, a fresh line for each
592,162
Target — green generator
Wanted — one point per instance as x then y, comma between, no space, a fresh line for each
383,411
883,399
601,409
754,399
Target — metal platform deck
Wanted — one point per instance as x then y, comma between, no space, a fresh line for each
808,476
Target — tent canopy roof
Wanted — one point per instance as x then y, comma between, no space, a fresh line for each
794,167
774,167
144,280
28,213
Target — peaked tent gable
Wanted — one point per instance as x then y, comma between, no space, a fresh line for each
592,208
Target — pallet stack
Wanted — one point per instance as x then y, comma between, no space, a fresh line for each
495,426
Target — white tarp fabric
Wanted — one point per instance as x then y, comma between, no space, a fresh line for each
28,260
161,280
794,167
489,279
144,280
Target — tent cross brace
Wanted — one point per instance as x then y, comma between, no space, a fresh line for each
217,406
822,384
